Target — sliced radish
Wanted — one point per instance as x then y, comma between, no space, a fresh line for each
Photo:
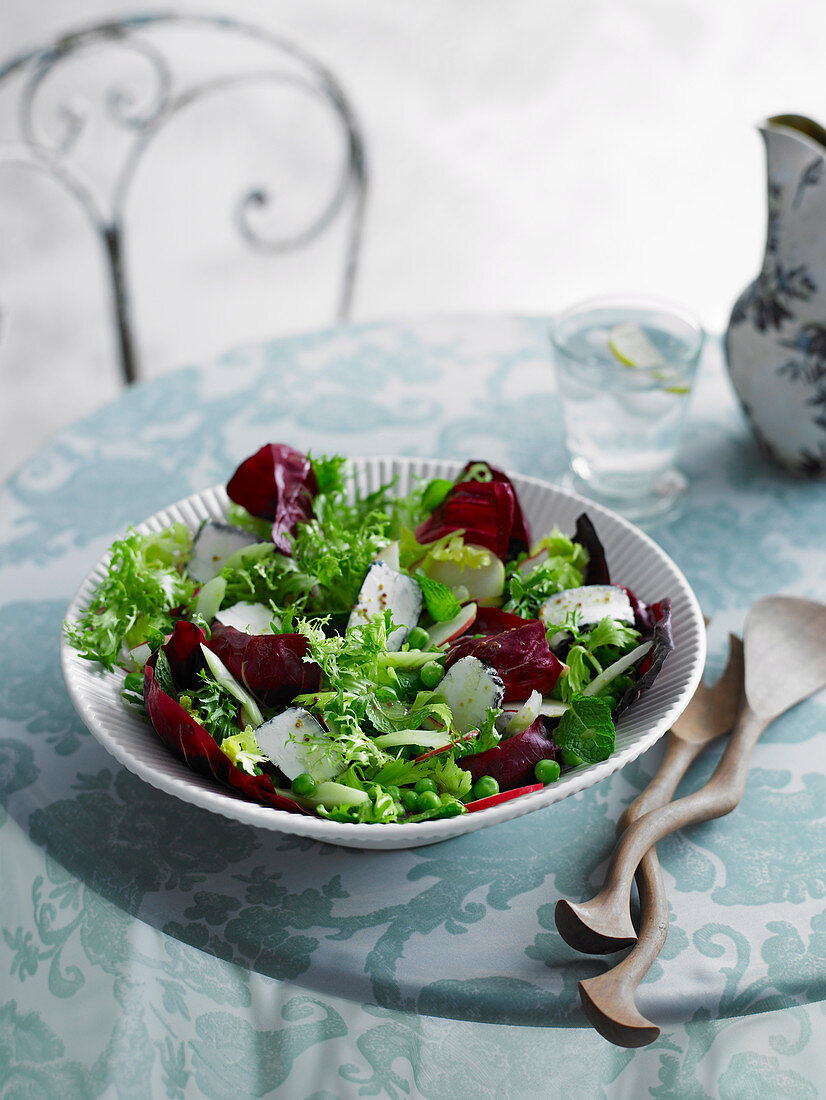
135,658
295,742
470,688
444,748
249,618
442,633
502,796
530,563
390,556
482,583
212,546
385,589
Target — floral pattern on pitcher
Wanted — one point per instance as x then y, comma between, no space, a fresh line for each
785,307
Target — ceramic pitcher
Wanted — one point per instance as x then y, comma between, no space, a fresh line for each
776,338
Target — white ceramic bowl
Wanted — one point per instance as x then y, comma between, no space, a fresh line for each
633,559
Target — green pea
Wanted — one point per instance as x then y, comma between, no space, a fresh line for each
425,785
418,638
547,771
394,793
133,682
427,800
304,785
431,674
484,787
409,798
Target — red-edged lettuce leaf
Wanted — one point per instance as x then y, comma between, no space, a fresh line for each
493,620
596,571
188,739
660,616
521,656
512,761
271,666
277,483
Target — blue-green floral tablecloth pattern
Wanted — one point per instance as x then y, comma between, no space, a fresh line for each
149,948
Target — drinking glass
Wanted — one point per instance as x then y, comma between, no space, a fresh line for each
625,368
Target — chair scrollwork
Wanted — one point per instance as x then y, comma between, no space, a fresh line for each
48,136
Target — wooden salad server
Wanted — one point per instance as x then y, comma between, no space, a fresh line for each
711,712
608,999
785,663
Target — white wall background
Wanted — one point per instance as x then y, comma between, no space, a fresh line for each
523,155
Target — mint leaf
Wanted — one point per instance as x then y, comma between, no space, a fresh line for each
163,674
586,730
435,493
441,603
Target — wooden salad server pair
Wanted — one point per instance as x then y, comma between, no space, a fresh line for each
784,656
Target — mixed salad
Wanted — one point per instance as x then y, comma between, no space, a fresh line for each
373,657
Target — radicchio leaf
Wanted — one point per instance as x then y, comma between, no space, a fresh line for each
277,483
489,512
493,620
596,571
512,761
482,509
183,651
660,614
271,666
643,613
188,739
520,535
521,656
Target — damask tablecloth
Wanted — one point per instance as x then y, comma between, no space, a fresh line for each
151,949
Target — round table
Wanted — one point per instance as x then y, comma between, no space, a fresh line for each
150,948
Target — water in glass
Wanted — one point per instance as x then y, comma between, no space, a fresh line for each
623,418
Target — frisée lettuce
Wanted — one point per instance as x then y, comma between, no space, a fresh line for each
450,685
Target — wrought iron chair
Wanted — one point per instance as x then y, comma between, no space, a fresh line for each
141,122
